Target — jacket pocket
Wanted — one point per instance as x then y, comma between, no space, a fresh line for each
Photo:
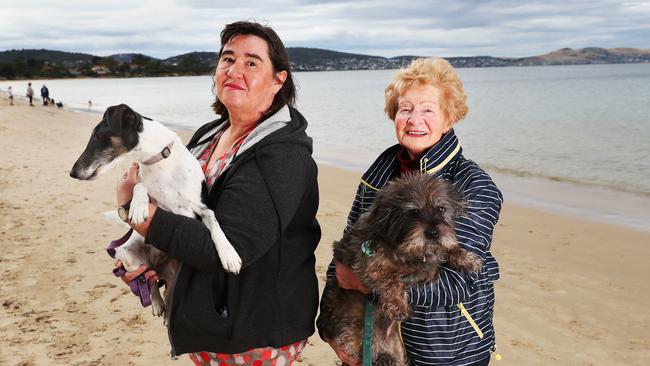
204,323
198,303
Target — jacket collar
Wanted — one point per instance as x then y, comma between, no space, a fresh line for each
432,162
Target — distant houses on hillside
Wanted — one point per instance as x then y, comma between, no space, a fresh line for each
26,64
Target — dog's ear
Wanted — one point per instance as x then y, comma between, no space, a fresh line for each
113,120
384,215
121,116
456,201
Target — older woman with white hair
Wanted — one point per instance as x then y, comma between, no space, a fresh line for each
451,322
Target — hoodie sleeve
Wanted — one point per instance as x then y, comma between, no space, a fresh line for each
255,207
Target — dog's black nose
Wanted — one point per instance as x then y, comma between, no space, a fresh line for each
432,233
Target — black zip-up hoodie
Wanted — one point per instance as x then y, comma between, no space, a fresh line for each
266,203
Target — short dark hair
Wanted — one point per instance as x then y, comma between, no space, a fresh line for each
279,59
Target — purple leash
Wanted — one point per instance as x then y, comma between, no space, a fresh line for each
139,285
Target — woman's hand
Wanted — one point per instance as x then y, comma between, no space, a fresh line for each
130,276
347,279
125,194
126,184
344,357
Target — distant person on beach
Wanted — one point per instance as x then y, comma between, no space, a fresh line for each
90,104
30,93
425,100
11,96
263,188
45,94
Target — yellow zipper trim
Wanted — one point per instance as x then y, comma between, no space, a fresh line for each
423,163
495,352
368,184
470,320
444,162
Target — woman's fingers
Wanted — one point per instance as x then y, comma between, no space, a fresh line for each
126,184
130,276
151,274
344,357
348,279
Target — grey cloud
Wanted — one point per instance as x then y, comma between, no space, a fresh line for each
387,28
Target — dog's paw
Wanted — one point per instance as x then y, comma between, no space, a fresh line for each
157,308
465,260
138,213
395,312
157,302
230,260
139,209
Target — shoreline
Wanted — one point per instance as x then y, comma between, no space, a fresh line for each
593,202
597,203
556,302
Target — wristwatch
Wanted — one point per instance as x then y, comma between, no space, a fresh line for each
123,211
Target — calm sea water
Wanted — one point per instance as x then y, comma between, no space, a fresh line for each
580,125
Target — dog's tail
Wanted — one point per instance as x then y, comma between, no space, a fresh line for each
112,217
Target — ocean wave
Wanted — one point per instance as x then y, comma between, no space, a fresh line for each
620,186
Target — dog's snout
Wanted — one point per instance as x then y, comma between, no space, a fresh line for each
432,233
73,173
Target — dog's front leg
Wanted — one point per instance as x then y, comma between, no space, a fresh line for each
139,209
230,259
464,260
393,300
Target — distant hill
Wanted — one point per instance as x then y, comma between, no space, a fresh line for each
45,55
303,55
206,58
48,63
128,57
588,55
300,57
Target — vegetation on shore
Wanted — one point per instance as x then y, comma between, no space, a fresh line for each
30,64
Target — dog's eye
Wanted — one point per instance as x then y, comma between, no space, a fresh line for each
414,212
441,209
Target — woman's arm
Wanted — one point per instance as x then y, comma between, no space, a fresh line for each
251,211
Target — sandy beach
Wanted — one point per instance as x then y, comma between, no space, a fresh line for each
572,292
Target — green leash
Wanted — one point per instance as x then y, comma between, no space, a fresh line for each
367,332
368,251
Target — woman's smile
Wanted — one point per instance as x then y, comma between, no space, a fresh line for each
231,85
419,122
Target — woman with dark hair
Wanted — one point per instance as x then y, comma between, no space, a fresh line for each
262,186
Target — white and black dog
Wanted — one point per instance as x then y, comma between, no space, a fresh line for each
169,174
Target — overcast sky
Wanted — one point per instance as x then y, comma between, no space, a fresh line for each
163,28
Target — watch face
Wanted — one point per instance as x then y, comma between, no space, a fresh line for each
123,214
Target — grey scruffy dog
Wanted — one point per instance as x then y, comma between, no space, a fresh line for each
404,238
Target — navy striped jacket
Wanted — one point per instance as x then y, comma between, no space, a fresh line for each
438,332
